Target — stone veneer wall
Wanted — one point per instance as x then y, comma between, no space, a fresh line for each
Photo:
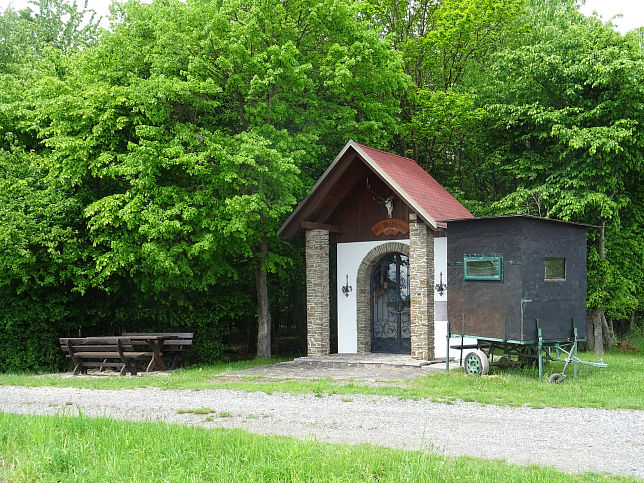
317,292
363,284
421,281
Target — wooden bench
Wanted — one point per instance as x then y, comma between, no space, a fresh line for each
103,352
173,348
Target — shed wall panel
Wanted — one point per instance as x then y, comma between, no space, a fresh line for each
481,307
509,309
555,303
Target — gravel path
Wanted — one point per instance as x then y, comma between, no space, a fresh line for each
572,440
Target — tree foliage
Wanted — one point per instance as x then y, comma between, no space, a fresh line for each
531,107
187,134
146,169
565,115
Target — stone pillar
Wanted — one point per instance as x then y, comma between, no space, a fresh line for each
317,292
421,281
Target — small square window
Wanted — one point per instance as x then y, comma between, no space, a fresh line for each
555,269
482,268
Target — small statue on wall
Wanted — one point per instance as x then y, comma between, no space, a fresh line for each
389,204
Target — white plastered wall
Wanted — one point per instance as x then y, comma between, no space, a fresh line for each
349,257
440,301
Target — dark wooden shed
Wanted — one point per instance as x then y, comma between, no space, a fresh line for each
506,273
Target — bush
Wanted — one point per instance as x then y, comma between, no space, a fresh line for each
30,324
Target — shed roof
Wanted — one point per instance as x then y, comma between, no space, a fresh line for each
422,193
518,215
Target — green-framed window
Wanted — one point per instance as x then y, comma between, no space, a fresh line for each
483,268
555,268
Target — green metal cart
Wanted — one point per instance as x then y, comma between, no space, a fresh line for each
477,362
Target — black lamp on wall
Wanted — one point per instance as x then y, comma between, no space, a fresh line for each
440,287
347,289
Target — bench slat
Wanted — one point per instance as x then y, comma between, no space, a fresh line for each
96,348
111,355
102,364
93,340
184,342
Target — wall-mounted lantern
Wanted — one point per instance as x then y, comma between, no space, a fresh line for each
347,289
440,287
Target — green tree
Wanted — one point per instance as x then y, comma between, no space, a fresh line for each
41,256
196,127
45,252
261,184
566,104
32,43
444,45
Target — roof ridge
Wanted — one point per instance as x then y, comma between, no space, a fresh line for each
389,153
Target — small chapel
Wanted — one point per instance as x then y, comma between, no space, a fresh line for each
387,218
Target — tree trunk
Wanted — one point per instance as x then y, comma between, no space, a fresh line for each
263,313
590,334
609,340
598,332
598,318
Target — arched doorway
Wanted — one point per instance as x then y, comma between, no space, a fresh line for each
390,316
363,295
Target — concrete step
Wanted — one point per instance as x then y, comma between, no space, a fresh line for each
366,360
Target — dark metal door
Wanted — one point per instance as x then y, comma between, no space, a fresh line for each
390,322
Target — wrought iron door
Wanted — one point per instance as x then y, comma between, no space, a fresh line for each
390,322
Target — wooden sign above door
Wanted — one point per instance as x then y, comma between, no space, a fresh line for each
390,226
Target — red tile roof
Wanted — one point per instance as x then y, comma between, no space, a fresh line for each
416,185
410,182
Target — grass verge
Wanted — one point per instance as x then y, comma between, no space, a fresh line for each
620,386
61,448
192,377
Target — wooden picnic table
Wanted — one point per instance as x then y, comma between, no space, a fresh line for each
174,347
83,349
155,343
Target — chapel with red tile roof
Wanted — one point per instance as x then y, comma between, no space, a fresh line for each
385,215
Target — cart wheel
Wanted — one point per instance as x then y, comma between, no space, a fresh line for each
476,363
556,378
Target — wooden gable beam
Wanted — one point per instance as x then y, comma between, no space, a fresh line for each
310,225
324,185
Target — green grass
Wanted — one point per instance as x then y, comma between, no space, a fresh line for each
61,448
206,411
193,377
620,386
196,411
